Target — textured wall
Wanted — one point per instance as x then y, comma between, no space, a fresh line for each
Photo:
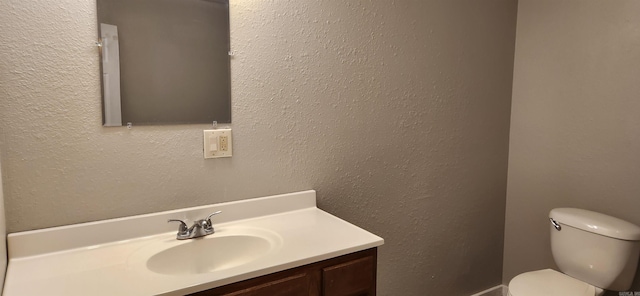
397,112
574,123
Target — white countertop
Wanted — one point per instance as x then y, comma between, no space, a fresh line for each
68,261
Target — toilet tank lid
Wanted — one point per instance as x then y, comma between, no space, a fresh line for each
596,223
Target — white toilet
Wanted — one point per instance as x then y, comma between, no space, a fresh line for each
595,252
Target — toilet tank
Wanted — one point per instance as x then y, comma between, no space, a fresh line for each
595,248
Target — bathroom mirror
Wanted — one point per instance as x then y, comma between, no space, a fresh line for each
164,61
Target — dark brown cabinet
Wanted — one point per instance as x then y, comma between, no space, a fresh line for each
349,275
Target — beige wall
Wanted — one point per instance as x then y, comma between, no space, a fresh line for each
575,120
396,112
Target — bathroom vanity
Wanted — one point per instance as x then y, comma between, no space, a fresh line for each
277,245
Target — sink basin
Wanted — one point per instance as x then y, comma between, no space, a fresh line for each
207,255
227,248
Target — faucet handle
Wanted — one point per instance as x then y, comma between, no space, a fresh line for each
206,223
212,214
183,229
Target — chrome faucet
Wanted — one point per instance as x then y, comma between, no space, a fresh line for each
199,228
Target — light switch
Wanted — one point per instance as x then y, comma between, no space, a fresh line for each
213,144
217,143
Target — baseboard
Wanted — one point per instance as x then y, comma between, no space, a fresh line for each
500,290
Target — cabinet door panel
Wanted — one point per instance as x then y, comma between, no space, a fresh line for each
351,278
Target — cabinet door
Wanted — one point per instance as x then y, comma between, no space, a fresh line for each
353,278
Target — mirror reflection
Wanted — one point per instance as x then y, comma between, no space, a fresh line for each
164,61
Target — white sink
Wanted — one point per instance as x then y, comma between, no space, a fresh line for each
140,255
227,248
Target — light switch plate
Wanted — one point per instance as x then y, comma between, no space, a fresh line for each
217,143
